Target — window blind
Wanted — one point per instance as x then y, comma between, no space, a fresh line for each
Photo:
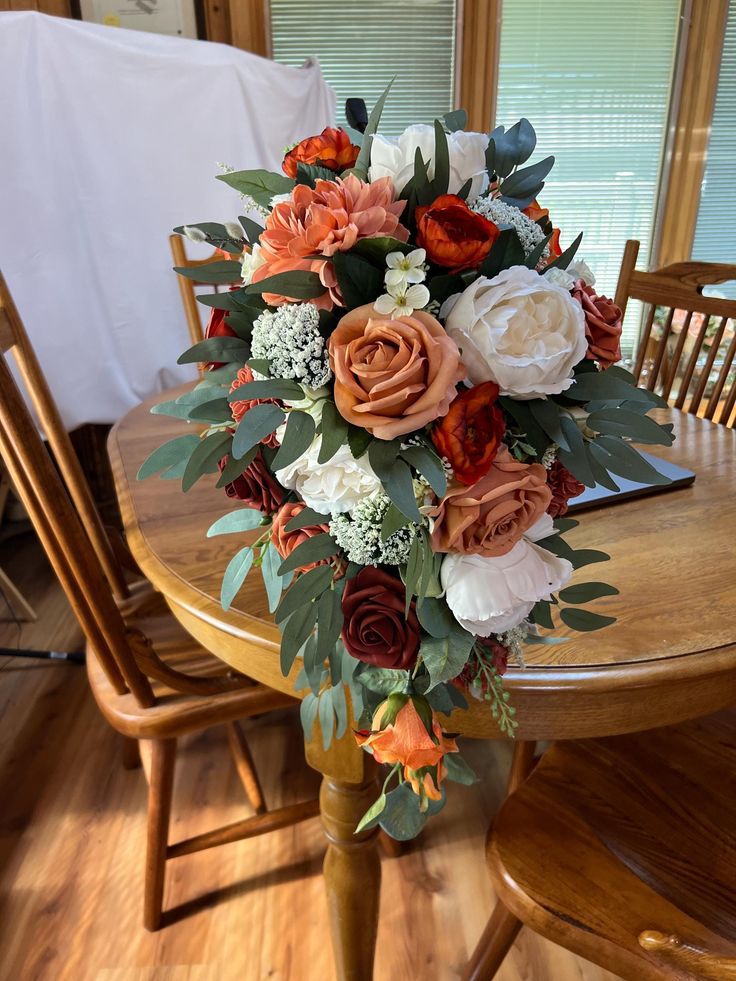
362,45
715,232
594,79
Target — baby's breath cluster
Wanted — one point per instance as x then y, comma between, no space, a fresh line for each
290,340
529,232
359,534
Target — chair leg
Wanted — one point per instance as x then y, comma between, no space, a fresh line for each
246,767
163,757
131,755
498,936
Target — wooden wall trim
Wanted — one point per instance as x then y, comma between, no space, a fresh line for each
703,33
479,32
250,26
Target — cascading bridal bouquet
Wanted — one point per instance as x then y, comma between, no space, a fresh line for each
405,388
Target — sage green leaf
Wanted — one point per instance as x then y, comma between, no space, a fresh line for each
584,592
383,681
533,257
376,249
393,520
584,620
565,524
173,408
296,440
219,272
587,556
626,462
261,365
358,440
334,431
163,458
237,569
547,414
257,423
214,411
260,185
235,468
445,657
565,258
326,717
397,483
441,180
360,282
295,633
598,460
232,300
306,518
274,583
296,285
329,623
308,713
401,817
623,422
252,229
458,770
371,816
364,157
455,120
270,388
525,183
244,519
576,459
312,550
340,708
436,617
601,385
205,458
507,251
413,571
216,349
429,465
307,587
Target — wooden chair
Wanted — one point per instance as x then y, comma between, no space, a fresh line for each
688,342
623,850
150,679
187,286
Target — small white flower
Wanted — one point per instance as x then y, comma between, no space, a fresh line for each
560,277
251,261
400,302
404,269
500,213
194,234
289,338
279,198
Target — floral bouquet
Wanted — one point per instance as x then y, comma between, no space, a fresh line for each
405,387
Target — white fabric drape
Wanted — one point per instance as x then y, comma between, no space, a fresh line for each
108,139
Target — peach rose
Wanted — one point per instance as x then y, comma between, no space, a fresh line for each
286,541
406,741
490,517
329,218
393,376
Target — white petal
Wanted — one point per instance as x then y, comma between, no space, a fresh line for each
385,304
396,277
416,257
415,275
393,259
417,296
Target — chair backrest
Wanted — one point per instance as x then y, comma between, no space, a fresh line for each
188,286
688,342
64,539
14,339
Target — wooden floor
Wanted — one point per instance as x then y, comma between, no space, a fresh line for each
72,836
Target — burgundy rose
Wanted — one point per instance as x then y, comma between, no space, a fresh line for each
255,486
602,325
563,486
216,327
376,630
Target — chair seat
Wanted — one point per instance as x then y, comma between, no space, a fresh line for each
176,713
610,838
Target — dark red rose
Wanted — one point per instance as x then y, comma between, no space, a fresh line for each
602,325
452,235
563,486
255,486
470,434
216,327
376,630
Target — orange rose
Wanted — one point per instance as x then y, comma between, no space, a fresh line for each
407,741
393,376
331,149
541,217
470,434
239,408
452,235
490,517
286,541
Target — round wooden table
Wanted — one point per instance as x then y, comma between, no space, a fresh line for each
670,656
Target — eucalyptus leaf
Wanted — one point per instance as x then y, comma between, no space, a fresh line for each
372,815
297,284
364,157
274,583
306,518
526,183
334,432
235,468
429,465
257,423
220,272
623,460
360,282
235,574
216,349
565,258
458,770
172,453
205,458
329,622
244,519
445,657
441,180
252,229
215,411
295,632
296,440
311,550
401,817
307,587
624,422
505,252
436,617
455,120
393,520
260,185
270,388
308,713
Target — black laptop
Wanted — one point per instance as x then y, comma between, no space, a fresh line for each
599,496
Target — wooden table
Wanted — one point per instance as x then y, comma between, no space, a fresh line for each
670,656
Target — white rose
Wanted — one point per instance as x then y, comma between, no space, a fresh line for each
518,330
250,262
491,595
581,270
543,527
394,158
332,487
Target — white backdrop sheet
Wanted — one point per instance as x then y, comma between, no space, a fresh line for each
108,139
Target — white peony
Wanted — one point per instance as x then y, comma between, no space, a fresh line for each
394,158
333,487
518,330
543,527
566,278
491,595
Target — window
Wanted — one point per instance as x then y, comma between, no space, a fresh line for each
362,45
715,232
594,79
